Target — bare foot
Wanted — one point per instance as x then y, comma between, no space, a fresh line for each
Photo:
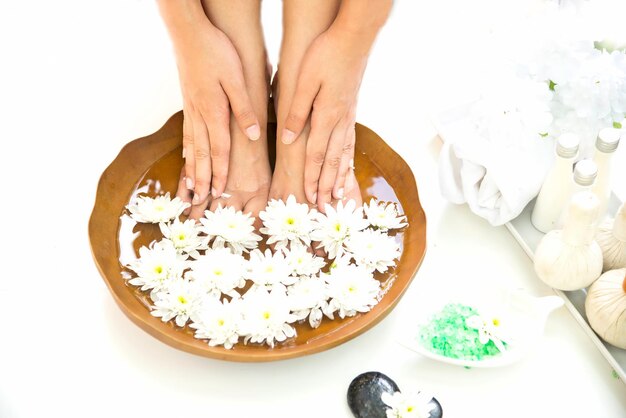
249,175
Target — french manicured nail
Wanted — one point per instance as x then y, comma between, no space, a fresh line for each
352,164
288,136
340,193
314,199
184,152
253,132
214,193
189,183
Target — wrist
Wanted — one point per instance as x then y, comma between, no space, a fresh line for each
183,19
362,19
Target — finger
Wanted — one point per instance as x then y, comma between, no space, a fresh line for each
182,192
188,150
202,159
219,136
347,160
321,130
241,105
300,109
330,168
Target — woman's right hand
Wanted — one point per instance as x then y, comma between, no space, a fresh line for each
213,86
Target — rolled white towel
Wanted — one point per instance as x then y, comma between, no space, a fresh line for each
496,172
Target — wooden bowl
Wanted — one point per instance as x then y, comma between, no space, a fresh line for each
381,173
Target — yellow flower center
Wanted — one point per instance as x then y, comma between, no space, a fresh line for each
351,289
182,299
496,322
159,208
181,237
291,221
269,269
266,315
158,269
232,225
409,409
337,227
218,272
220,322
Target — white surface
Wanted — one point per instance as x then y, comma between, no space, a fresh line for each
79,79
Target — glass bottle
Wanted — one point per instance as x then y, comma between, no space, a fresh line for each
556,188
606,144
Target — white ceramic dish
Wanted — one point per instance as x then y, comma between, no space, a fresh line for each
523,315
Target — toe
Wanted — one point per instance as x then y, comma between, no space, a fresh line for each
233,200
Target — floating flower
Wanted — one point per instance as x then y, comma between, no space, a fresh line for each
218,271
181,300
219,322
231,228
351,289
410,405
489,328
268,269
337,225
156,265
146,209
384,216
307,298
286,222
184,235
266,317
302,262
373,249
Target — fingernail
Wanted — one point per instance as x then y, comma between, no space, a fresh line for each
314,199
340,193
184,152
352,164
214,193
196,199
253,132
288,136
189,183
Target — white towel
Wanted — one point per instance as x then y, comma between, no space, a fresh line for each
498,177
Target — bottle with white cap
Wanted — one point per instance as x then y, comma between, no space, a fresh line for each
556,189
585,174
606,144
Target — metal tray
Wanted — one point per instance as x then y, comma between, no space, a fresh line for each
529,237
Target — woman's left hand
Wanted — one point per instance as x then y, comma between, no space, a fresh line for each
327,88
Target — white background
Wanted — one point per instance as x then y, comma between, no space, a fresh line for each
79,79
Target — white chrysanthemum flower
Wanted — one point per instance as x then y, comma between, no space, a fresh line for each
351,289
384,216
218,271
286,222
155,210
337,225
231,228
266,317
410,405
269,270
181,299
157,265
490,327
184,235
219,322
373,250
302,262
307,298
